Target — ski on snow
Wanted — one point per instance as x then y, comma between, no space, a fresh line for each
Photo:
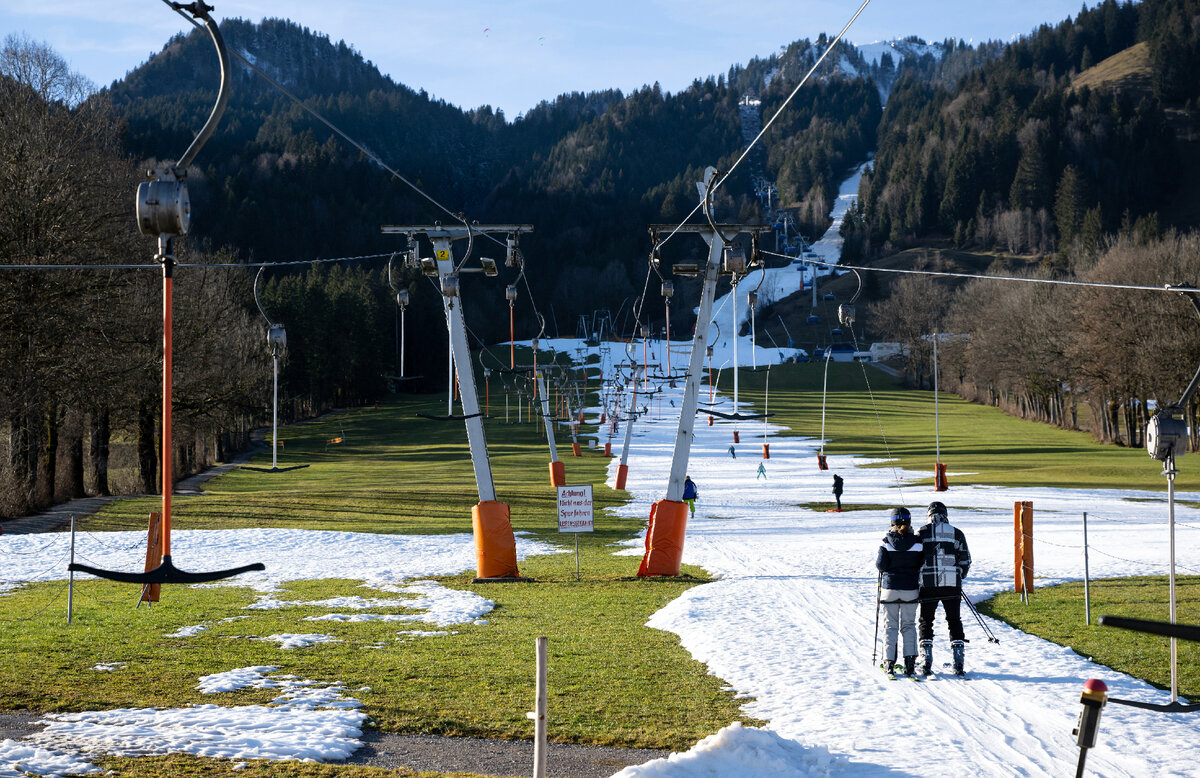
896,672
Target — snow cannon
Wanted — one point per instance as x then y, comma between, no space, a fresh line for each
1095,694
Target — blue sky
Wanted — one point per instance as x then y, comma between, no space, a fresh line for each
511,54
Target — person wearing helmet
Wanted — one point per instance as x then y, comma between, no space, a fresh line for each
899,563
946,562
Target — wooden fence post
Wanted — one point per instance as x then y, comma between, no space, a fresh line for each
1023,548
539,713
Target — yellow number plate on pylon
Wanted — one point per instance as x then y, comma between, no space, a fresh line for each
443,255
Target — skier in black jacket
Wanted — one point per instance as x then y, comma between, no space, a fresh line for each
947,560
899,563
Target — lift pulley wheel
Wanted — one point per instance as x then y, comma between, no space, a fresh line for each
1165,437
163,207
734,261
846,314
276,336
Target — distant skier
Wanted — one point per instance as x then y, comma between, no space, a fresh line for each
899,563
837,491
732,453
762,471
946,562
690,494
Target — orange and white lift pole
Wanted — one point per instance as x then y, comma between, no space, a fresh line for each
668,516
495,545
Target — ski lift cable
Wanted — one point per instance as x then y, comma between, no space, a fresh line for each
945,274
333,127
879,422
193,264
771,121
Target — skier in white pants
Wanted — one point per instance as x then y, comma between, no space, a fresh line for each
899,563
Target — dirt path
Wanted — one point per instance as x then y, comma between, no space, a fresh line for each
446,754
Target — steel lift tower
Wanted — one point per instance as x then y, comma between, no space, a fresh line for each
668,517
495,545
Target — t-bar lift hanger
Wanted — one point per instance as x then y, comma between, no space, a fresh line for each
163,209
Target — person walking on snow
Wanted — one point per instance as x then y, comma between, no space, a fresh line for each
690,494
732,453
946,562
899,563
762,471
837,491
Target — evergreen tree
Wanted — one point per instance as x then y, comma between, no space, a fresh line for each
1070,205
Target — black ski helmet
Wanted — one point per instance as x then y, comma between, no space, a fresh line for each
900,516
936,509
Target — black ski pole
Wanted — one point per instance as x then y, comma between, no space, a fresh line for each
878,595
991,637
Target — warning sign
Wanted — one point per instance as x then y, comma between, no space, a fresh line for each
575,508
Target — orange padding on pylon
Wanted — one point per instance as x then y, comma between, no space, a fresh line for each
766,451
940,483
710,421
495,546
664,539
558,474
821,464
575,450
608,449
736,439
622,474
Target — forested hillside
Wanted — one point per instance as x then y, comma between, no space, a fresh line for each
1072,156
589,171
81,350
1017,156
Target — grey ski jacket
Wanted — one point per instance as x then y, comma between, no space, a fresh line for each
947,558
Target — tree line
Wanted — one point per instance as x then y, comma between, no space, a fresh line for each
1075,357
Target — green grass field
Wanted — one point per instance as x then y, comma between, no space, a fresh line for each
1056,613
614,680
992,447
